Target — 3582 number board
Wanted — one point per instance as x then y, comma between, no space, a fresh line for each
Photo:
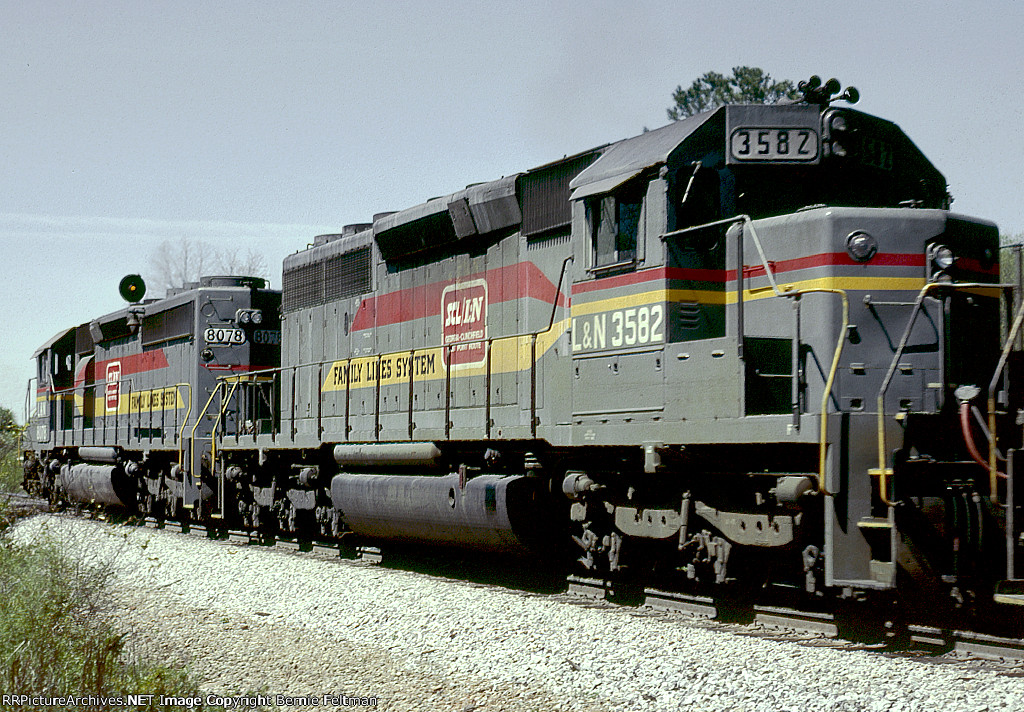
773,144
772,134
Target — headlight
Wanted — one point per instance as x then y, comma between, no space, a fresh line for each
942,256
257,316
243,316
861,246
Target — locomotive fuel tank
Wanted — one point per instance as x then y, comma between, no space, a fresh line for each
97,483
489,512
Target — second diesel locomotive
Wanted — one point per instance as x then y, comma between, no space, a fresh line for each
753,345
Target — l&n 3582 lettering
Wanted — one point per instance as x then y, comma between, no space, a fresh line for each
620,328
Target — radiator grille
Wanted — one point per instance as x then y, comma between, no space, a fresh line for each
347,275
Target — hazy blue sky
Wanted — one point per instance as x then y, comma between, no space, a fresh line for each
265,123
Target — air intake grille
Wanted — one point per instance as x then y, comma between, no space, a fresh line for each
302,287
347,275
337,277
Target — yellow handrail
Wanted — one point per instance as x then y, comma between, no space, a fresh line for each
220,416
192,440
993,470
830,381
184,423
883,472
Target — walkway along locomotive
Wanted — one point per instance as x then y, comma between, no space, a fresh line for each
751,346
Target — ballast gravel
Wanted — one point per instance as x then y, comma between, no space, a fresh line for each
251,620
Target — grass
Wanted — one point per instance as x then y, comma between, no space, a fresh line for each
10,466
56,636
10,481
56,639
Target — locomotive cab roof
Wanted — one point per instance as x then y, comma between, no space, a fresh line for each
845,157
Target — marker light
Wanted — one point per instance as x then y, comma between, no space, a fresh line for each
942,256
861,246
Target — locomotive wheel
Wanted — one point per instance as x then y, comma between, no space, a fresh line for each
286,516
158,507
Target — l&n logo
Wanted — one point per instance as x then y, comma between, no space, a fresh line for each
113,385
464,311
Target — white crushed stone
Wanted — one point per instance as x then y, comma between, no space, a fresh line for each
249,619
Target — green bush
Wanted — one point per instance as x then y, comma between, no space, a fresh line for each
55,639
10,448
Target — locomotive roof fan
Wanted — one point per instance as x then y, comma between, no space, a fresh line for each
132,288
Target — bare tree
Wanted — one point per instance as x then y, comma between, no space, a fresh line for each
251,263
175,263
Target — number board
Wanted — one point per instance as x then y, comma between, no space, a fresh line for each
224,335
266,336
773,134
773,144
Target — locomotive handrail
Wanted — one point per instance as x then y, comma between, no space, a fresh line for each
748,221
703,226
764,260
882,471
830,381
61,393
30,397
446,348
213,441
192,440
184,423
993,469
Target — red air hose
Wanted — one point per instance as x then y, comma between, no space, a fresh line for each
965,426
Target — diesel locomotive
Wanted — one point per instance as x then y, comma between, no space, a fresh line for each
751,347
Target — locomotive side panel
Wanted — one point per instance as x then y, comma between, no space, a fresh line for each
442,347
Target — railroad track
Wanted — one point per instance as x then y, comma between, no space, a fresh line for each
22,504
818,628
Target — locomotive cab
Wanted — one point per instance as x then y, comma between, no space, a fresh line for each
779,292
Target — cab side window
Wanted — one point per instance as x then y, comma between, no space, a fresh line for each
614,226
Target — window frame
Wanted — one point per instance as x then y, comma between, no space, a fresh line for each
602,230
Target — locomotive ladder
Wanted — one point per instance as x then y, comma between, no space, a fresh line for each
883,471
1010,590
192,472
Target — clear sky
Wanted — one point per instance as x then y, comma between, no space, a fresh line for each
258,123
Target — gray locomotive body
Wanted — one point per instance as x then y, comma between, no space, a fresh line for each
117,399
745,347
688,334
